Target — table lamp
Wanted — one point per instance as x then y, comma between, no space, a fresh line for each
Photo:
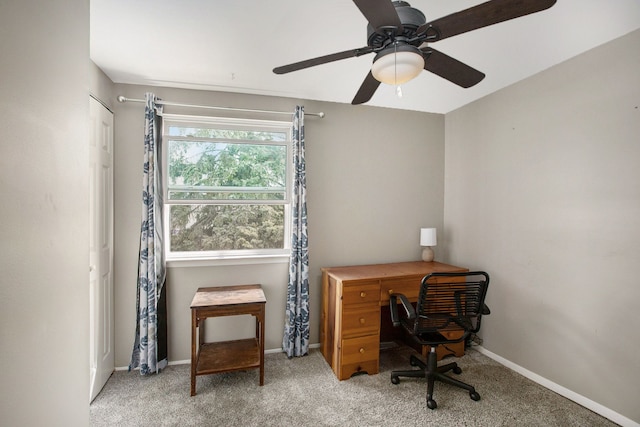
427,239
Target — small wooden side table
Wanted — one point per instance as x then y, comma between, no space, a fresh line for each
225,356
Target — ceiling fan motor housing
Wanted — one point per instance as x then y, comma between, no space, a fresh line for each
410,18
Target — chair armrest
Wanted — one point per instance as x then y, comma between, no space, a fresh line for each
393,305
485,310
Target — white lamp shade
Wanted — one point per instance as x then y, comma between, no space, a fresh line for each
428,237
398,67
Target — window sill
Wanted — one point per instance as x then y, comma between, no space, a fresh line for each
227,260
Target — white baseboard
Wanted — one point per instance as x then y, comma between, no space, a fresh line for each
571,395
188,361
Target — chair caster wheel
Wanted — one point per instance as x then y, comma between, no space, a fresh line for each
474,396
395,380
431,404
457,370
413,361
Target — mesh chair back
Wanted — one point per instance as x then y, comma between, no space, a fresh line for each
450,301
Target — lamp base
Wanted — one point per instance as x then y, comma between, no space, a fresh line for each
427,254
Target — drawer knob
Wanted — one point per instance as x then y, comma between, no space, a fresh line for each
363,294
361,350
362,320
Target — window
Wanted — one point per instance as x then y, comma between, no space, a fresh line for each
227,187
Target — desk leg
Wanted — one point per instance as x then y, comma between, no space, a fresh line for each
194,359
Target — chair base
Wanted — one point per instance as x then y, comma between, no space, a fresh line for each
433,373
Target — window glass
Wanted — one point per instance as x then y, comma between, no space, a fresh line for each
226,186
226,227
226,171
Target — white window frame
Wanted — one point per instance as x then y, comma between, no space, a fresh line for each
192,258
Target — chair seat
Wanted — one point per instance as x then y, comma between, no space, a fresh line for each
431,338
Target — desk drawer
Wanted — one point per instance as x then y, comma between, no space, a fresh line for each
445,350
410,287
361,292
452,349
361,320
357,350
452,334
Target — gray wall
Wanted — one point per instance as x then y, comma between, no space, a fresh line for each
542,190
374,176
44,232
101,87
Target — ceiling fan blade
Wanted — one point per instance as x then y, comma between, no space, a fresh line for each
450,69
367,89
322,60
483,15
380,13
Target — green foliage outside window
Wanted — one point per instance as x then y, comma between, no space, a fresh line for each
226,227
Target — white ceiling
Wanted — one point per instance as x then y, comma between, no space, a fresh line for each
233,46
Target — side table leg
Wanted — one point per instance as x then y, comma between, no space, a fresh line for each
194,359
261,340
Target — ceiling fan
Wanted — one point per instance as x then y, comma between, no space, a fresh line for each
399,36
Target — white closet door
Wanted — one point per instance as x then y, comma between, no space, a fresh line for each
102,363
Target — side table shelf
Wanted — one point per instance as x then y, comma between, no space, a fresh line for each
226,356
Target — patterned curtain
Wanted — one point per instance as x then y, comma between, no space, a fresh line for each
150,346
296,329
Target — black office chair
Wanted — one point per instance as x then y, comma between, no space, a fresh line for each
447,302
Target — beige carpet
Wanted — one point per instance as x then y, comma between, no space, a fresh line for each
304,392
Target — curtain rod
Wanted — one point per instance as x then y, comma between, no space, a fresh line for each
175,104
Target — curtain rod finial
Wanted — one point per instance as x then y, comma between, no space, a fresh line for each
122,98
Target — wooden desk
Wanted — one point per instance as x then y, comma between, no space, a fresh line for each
352,298
212,358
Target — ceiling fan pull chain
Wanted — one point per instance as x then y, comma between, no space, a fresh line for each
395,63
395,70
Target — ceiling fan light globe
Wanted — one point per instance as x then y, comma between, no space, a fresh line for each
396,68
